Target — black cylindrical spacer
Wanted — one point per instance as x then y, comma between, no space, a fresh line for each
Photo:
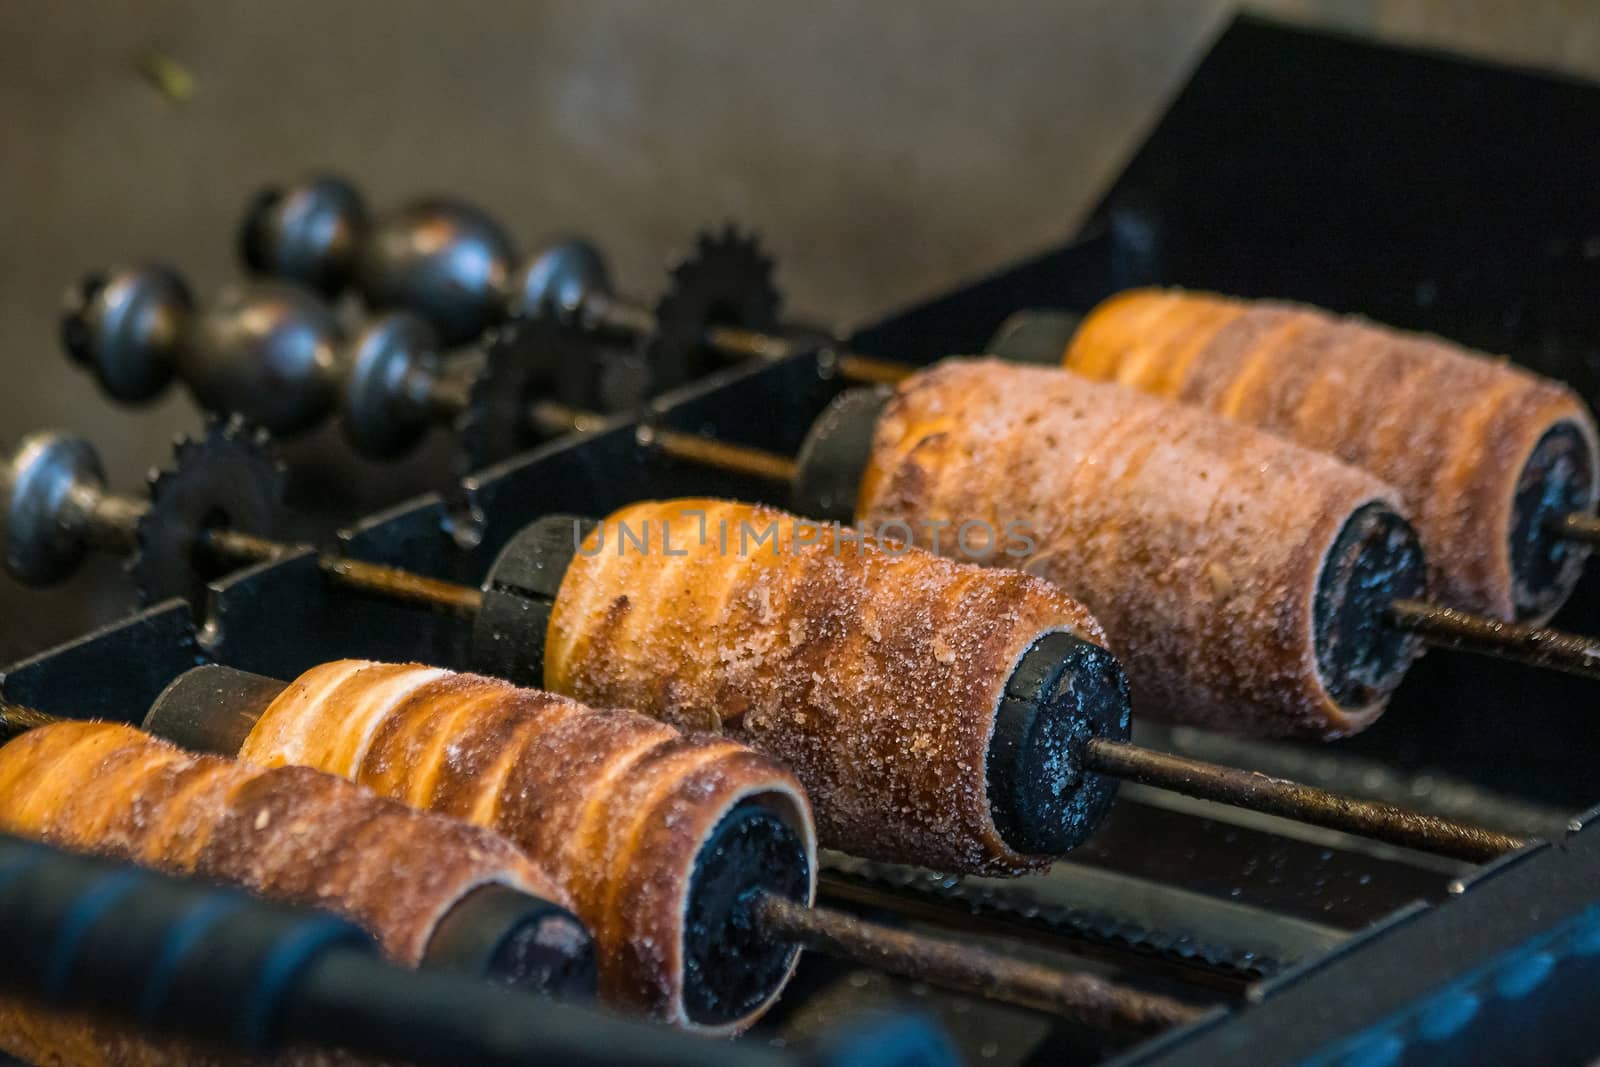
1375,560
509,633
175,956
731,965
1037,336
1557,480
834,456
211,708
215,965
517,939
1062,692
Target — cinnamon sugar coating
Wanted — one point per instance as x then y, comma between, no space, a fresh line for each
1452,430
1198,544
290,833
875,674
614,805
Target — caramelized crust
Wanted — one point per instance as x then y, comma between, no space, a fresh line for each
1198,544
613,804
875,674
1450,429
290,833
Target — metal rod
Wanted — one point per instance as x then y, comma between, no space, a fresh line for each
609,312
16,720
1308,804
736,342
1536,646
606,312
739,459
1575,526
450,598
871,371
970,969
551,419
1533,645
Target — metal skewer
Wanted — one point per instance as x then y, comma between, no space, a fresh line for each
1534,646
963,968
70,511
721,303
971,970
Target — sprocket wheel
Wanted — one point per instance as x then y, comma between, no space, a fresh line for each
726,282
229,476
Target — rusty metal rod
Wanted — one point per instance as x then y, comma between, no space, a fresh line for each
870,371
1575,526
1247,789
970,969
965,968
16,720
738,459
1210,781
617,314
1537,646
1308,804
450,598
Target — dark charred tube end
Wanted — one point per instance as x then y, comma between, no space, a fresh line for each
516,939
211,708
509,633
732,965
1376,560
1557,480
1063,692
1039,336
835,454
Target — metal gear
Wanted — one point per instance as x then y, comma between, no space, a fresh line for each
726,282
525,361
229,476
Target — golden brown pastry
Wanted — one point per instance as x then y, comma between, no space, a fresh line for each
875,674
1199,545
290,834
1460,435
615,805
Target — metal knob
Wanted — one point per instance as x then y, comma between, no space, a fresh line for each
268,351
391,393
125,327
445,260
440,258
558,280
307,232
55,495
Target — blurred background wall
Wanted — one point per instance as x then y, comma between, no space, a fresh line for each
884,148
